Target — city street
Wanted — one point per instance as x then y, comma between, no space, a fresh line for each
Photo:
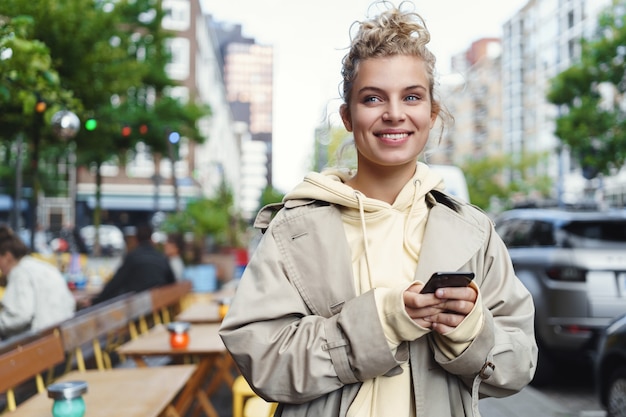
571,395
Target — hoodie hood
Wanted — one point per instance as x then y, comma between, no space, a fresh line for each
330,186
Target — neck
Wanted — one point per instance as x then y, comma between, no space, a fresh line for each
384,185
9,265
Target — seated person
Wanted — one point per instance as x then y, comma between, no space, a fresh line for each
36,294
173,249
144,267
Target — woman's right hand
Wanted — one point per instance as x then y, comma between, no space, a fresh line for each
421,306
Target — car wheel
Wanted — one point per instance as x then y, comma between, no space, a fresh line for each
616,394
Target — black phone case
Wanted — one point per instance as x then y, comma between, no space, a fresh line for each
447,279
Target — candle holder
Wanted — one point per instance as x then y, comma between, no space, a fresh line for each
179,334
68,398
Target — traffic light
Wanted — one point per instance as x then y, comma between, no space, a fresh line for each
91,124
126,131
40,106
173,137
143,129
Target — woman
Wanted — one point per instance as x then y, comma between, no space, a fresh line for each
36,294
328,319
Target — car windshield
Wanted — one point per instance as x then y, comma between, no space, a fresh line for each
584,234
587,234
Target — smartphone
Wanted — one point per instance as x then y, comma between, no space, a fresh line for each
447,279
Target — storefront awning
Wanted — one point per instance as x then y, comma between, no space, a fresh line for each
132,203
6,203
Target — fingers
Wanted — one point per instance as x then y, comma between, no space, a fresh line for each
442,311
458,293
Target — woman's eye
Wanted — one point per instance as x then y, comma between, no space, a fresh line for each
414,97
371,99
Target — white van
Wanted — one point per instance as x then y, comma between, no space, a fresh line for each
454,180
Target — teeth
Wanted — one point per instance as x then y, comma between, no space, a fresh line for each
393,135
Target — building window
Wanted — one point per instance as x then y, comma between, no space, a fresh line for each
178,68
176,14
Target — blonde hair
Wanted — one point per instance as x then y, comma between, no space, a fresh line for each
392,32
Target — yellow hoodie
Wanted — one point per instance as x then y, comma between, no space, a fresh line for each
385,241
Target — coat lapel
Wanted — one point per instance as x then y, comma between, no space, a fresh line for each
450,241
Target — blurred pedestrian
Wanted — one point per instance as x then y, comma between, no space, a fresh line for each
36,294
142,268
173,249
329,318
74,241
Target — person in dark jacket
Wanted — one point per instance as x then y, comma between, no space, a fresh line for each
143,268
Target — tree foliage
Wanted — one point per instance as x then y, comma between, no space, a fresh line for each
214,217
111,55
486,185
591,97
27,76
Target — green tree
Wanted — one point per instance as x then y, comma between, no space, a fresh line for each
485,182
270,195
215,218
590,95
31,91
27,78
112,54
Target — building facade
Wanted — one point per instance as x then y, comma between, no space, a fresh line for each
497,96
540,41
152,184
248,71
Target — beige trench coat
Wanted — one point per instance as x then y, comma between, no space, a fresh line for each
302,337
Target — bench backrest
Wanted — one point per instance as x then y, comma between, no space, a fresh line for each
27,361
168,297
90,330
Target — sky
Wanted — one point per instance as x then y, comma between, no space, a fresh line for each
311,37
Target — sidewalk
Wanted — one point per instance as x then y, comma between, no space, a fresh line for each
529,402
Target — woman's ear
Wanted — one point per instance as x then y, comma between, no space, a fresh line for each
434,113
344,111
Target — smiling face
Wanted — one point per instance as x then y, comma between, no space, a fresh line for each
390,113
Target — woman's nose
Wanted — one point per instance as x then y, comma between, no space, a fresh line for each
392,113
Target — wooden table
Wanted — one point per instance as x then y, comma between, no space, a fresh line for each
205,344
201,312
128,392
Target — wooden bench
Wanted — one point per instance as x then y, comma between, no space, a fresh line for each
139,307
166,300
95,331
28,361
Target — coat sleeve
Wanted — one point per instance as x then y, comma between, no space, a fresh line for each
506,340
289,350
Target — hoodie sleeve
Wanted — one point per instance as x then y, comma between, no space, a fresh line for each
397,324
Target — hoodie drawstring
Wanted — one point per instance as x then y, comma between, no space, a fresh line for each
406,235
359,199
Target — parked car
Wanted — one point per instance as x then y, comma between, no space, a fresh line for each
574,265
110,237
610,369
